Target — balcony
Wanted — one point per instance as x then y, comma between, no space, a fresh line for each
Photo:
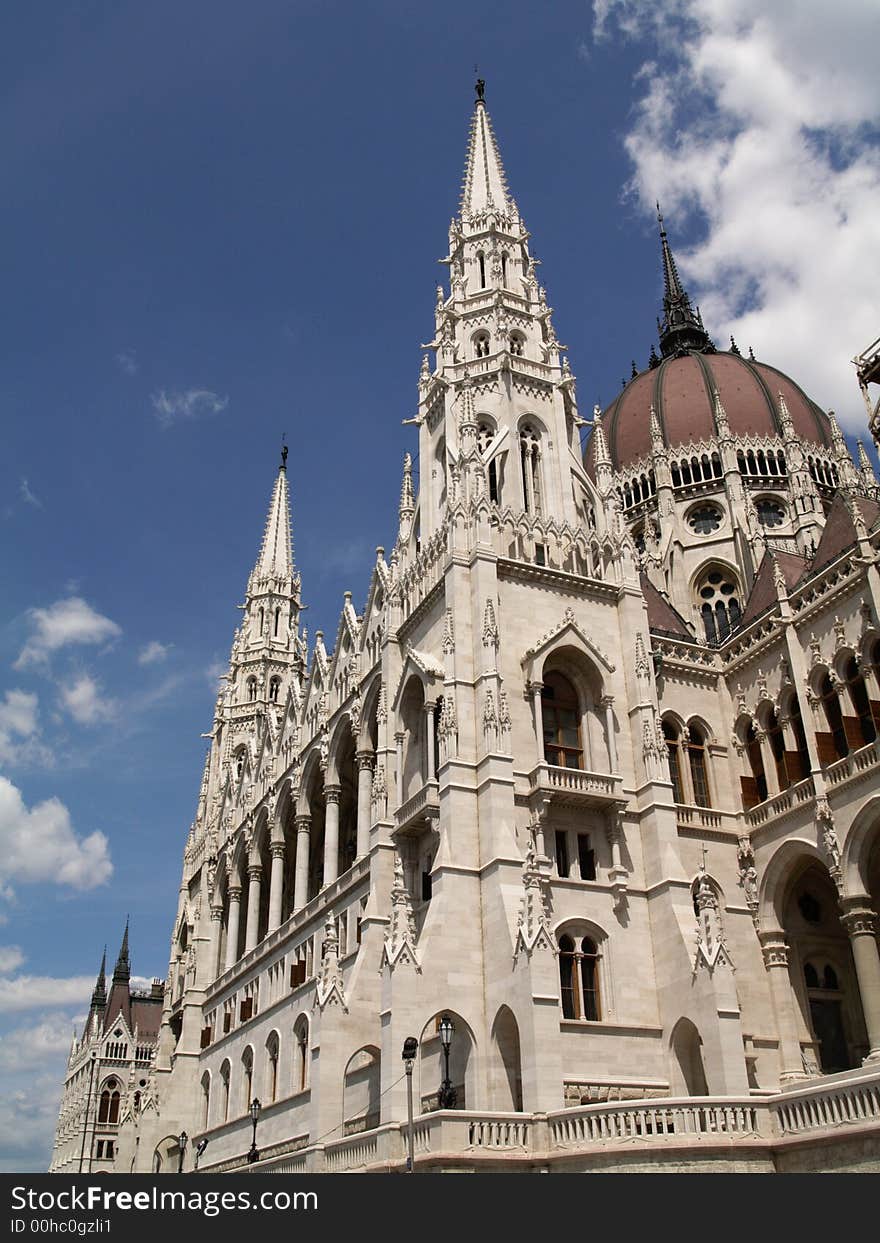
424,805
574,787
857,765
772,1129
780,805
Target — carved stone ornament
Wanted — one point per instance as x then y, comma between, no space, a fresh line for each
533,920
448,643
400,938
490,626
330,990
748,876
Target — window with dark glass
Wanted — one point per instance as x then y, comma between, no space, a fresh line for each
563,864
586,857
858,695
696,749
673,744
560,715
833,715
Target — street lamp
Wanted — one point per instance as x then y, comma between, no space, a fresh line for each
181,1149
254,1154
410,1048
447,1097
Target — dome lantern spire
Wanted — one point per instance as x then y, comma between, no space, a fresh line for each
682,327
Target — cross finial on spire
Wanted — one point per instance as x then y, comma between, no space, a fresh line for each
480,88
682,328
284,451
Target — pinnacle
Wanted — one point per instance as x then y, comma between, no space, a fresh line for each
485,182
122,969
276,553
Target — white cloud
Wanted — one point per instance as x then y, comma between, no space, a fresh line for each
11,958
33,1059
153,652
19,728
28,496
195,403
37,992
62,624
126,361
760,118
39,844
83,699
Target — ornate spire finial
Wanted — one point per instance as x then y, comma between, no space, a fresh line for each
734,348
276,552
682,328
99,993
284,451
485,184
407,499
480,88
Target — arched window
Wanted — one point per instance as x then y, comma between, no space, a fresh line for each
108,1109
777,746
301,1054
485,436
438,717
481,345
224,1091
530,455
239,763
481,260
579,978
560,716
251,689
673,751
858,697
262,620
833,715
696,749
277,621
272,1066
517,343
274,689
504,268
756,763
206,1100
718,603
803,751
247,1078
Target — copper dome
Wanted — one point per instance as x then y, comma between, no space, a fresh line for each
681,391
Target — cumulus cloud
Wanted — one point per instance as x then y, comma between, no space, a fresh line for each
29,497
33,1058
37,992
195,403
40,844
11,958
761,121
153,652
19,728
63,624
83,698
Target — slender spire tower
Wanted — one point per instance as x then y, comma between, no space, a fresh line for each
99,993
498,362
122,970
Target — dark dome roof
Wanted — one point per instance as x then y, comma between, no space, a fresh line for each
681,390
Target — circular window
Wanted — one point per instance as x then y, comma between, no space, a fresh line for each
705,519
770,513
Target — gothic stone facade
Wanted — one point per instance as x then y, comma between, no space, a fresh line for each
594,773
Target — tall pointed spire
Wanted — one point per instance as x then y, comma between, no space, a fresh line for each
122,970
485,183
682,328
276,553
99,993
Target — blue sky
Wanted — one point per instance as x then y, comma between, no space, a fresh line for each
221,224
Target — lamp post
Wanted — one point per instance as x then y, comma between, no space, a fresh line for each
447,1097
410,1048
254,1154
181,1149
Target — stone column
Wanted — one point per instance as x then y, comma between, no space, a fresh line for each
331,834
364,760
607,701
860,922
255,875
301,873
399,738
276,884
214,967
775,953
535,689
430,774
232,926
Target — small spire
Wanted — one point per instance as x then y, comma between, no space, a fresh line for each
601,456
656,430
653,360
276,552
734,348
866,466
635,370
122,970
786,422
485,182
407,498
837,439
752,358
682,328
99,993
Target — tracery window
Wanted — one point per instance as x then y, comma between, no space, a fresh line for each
705,519
560,717
272,1067
673,751
858,696
485,436
756,763
517,344
274,689
530,457
108,1108
771,513
579,978
481,345
696,749
251,689
719,604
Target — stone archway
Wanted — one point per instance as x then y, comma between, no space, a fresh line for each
687,1072
506,1070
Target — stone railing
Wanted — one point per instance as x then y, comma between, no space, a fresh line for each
576,786
829,1105
705,817
424,805
781,804
854,764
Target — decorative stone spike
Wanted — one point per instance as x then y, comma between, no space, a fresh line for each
400,939
330,990
533,921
